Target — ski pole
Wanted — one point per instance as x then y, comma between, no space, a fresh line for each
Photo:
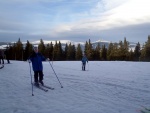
31,79
55,74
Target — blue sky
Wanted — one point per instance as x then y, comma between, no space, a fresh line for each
76,20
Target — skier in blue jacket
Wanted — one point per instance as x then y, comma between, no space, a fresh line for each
36,58
84,60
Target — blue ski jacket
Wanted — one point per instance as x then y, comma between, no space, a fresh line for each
84,59
36,59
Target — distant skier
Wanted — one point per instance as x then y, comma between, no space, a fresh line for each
1,56
7,55
84,60
36,58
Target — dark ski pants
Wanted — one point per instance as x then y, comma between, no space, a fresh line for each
7,60
83,66
38,76
1,58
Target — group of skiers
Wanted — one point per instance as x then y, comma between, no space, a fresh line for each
4,54
36,59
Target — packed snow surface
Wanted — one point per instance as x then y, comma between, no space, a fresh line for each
105,87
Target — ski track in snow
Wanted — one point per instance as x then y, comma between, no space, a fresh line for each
105,87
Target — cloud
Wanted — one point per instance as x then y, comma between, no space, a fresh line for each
129,13
110,16
65,18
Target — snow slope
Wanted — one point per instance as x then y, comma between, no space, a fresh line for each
106,87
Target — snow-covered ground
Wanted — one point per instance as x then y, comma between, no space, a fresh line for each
106,87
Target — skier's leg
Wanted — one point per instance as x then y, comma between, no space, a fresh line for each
41,77
3,60
7,59
0,59
36,77
84,66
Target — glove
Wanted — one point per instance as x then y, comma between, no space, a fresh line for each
29,61
47,59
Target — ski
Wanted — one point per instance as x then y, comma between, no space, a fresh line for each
47,87
39,87
1,66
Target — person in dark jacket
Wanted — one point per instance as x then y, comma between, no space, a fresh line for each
1,56
36,58
7,55
84,60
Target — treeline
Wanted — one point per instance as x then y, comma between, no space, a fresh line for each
116,51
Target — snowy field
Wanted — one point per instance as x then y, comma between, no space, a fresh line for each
106,87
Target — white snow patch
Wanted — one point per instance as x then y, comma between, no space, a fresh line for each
106,87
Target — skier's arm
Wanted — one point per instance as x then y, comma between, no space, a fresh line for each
30,58
43,58
82,60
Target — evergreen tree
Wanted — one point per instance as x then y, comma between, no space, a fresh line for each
109,52
11,53
142,56
60,51
78,52
86,48
126,49
104,53
89,50
121,51
131,55
41,47
137,52
97,52
115,52
28,50
55,51
14,51
51,51
66,52
145,53
19,50
71,52
47,49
